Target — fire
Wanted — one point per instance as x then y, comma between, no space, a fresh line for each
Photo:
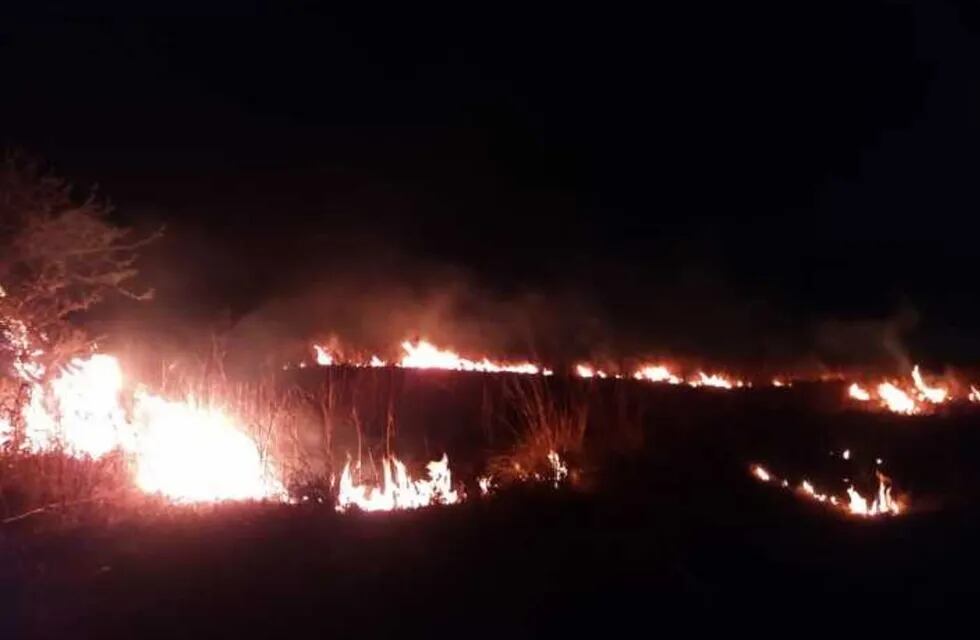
323,358
588,371
181,450
714,380
857,505
425,355
895,399
558,466
858,392
935,395
882,504
192,453
657,373
974,394
398,489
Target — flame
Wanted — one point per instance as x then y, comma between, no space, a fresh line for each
323,358
184,451
715,380
425,355
558,466
895,399
584,371
192,453
974,394
858,392
657,373
856,504
883,503
935,395
398,489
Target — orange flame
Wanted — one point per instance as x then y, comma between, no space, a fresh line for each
398,489
856,504
657,373
935,395
858,392
895,399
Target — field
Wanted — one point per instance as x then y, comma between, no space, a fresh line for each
663,523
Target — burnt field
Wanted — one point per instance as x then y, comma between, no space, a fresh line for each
661,521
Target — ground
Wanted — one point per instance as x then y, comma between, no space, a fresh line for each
679,533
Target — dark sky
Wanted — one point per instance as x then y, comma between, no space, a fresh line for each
744,180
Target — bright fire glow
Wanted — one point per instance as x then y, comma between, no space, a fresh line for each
192,453
935,395
425,355
657,373
181,450
974,394
883,503
398,490
858,392
895,399
323,358
714,380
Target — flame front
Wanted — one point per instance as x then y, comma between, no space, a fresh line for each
181,450
191,453
398,490
883,503
858,392
657,373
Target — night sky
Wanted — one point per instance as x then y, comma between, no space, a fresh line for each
742,182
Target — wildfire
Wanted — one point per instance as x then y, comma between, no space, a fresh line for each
323,358
895,399
425,355
657,373
935,395
184,451
883,502
858,392
192,453
398,490
714,380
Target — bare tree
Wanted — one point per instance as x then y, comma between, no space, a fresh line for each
59,255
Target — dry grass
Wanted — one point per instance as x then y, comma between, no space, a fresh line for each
547,421
35,482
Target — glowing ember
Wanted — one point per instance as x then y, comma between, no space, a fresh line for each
657,373
558,466
761,473
485,483
935,395
857,392
895,399
847,454
398,489
974,394
779,382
